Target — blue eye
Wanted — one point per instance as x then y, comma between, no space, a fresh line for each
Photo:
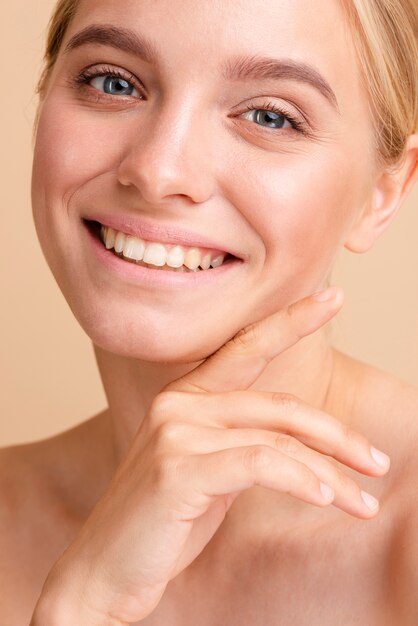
108,81
112,82
269,115
113,85
273,120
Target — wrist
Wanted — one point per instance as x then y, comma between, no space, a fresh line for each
47,614
57,613
59,608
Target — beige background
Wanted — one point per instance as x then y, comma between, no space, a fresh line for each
48,377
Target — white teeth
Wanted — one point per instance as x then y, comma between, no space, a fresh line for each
119,242
205,263
110,237
218,260
156,254
192,258
134,248
175,257
127,248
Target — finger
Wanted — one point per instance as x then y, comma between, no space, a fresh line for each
235,469
240,361
348,494
280,412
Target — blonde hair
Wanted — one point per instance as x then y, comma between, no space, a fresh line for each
385,35
58,24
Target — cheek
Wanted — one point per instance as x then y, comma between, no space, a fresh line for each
70,150
300,207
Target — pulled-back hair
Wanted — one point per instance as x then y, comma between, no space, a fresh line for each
385,35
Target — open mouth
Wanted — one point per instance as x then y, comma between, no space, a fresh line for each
156,255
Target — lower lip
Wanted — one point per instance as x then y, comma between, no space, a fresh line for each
164,278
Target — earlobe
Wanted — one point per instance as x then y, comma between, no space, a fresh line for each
388,195
372,221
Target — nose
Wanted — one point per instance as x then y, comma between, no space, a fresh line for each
168,154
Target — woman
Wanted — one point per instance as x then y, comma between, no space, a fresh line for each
230,480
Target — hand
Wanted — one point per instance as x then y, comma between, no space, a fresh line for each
205,439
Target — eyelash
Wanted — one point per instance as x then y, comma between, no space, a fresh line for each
270,106
87,75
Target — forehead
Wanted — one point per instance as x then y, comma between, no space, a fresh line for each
197,37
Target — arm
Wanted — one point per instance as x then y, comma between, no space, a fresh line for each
53,608
191,457
49,612
405,575
403,560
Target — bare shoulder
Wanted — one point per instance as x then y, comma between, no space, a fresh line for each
44,500
391,407
36,474
385,409
28,516
32,484
381,403
21,484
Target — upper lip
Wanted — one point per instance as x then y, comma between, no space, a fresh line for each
163,233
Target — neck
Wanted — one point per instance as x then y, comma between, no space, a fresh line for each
304,370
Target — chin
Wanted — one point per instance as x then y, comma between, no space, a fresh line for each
143,349
150,338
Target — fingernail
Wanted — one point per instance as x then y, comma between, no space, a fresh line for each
381,458
327,294
326,491
369,500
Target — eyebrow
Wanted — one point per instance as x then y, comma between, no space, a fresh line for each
121,38
236,69
262,68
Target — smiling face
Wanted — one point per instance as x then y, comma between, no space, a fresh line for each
183,140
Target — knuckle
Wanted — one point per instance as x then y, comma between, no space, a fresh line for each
166,401
256,457
165,405
168,434
285,401
293,320
245,338
287,445
301,474
348,434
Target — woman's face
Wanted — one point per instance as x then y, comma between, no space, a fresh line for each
184,143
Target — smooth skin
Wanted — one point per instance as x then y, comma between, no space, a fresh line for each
202,443
228,461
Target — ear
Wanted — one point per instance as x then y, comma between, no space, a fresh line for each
388,193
